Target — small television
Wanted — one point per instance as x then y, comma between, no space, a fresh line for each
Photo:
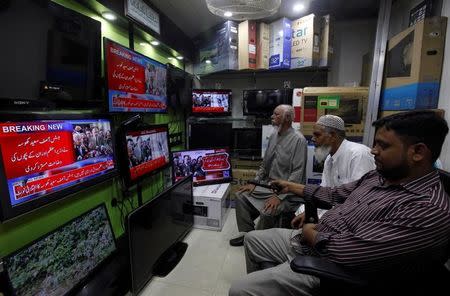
45,157
211,102
262,102
207,166
59,262
155,231
64,64
208,134
145,149
247,141
135,83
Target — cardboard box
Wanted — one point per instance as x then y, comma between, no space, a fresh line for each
305,50
211,205
297,96
220,46
237,163
350,103
414,65
440,112
247,45
240,177
314,168
326,40
262,46
280,44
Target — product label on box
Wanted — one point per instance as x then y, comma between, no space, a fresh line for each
252,48
328,102
411,96
274,60
310,111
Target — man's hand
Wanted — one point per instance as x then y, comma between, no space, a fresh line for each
281,184
272,204
298,221
246,187
309,233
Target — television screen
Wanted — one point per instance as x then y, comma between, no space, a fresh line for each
207,166
57,262
211,101
247,141
179,88
47,158
135,83
63,66
154,230
210,135
263,102
147,151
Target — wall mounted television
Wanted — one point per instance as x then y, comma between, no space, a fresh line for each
59,262
262,102
135,83
45,157
146,148
155,231
49,53
207,166
211,102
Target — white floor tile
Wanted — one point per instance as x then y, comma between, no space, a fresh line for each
155,288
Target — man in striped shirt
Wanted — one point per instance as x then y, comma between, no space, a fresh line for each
395,217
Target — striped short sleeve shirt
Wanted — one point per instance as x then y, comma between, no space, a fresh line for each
375,226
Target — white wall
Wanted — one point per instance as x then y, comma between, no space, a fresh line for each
352,39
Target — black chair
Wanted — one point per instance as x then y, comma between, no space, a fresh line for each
336,280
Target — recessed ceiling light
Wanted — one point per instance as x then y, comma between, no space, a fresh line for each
109,16
299,7
170,58
208,61
143,44
179,57
155,42
228,14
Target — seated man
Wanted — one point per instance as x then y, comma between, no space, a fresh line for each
285,159
397,216
345,161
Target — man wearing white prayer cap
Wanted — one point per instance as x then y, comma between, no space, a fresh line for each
345,161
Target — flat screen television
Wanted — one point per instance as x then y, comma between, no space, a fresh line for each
179,88
155,231
262,102
210,135
147,151
135,83
44,157
207,166
60,261
247,141
211,102
49,53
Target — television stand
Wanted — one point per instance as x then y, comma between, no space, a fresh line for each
169,259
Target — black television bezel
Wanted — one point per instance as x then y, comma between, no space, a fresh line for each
195,184
85,279
122,149
213,114
105,65
287,100
149,203
8,212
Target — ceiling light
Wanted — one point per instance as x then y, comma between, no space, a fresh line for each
109,16
179,57
228,14
155,43
299,7
208,61
170,58
143,44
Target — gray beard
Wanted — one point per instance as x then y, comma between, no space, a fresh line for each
321,153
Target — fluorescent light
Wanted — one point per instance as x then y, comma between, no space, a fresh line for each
109,16
228,14
179,57
144,44
170,58
155,43
299,7
208,61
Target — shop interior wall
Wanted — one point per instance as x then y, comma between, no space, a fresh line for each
24,229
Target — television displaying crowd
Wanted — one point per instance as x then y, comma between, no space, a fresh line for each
91,140
144,148
186,166
210,100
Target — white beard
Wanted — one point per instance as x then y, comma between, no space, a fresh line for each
321,153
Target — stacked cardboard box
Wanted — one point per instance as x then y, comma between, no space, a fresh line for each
262,46
240,177
305,50
413,66
280,44
247,45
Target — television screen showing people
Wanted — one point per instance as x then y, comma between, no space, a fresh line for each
207,166
211,101
56,263
148,150
45,156
136,83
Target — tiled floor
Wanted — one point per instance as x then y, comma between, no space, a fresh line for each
208,267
